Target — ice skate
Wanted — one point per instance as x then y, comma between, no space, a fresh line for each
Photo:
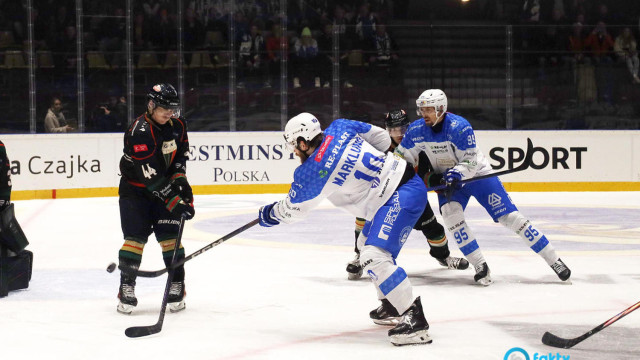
385,314
413,327
483,275
354,269
452,262
127,297
175,302
561,270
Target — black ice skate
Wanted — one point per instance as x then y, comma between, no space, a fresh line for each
127,297
413,328
354,269
385,314
452,262
175,301
483,275
561,270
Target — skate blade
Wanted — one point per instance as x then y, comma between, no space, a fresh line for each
416,338
485,281
177,306
387,322
125,309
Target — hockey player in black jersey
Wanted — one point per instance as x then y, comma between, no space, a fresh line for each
154,191
397,122
5,178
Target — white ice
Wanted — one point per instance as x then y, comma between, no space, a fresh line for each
283,293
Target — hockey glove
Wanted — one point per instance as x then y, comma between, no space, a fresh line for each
452,178
177,205
181,185
267,218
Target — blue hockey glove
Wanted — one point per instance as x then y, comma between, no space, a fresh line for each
452,178
267,219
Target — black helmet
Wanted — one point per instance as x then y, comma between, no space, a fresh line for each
396,118
164,95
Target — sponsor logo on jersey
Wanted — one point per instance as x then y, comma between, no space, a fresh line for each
323,148
138,148
494,200
404,234
323,173
384,232
169,147
375,182
393,212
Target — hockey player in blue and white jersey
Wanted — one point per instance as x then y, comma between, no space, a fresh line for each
347,165
450,144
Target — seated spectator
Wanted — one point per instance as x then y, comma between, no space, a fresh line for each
251,56
365,26
277,45
112,115
625,49
306,59
54,121
383,57
600,43
601,46
383,50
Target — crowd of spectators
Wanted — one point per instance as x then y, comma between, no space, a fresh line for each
581,42
258,37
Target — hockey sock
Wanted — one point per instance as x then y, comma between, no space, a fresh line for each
437,240
390,280
130,255
167,254
531,235
359,225
453,217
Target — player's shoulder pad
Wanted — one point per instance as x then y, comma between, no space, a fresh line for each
459,128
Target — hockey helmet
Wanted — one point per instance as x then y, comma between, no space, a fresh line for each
165,96
396,122
434,98
303,125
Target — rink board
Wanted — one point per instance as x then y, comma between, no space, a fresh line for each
86,165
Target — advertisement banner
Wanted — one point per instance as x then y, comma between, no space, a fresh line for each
254,162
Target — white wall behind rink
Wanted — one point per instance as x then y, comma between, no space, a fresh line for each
253,159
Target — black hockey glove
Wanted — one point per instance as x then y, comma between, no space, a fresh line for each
181,186
174,202
177,205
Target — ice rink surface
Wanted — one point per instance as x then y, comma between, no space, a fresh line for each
283,293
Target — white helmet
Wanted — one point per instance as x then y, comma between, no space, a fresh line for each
435,98
303,125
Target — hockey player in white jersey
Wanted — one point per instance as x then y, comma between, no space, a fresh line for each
347,165
449,142
397,122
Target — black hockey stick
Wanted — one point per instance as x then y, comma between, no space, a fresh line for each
139,331
525,165
156,273
555,341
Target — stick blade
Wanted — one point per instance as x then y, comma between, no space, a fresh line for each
140,331
551,340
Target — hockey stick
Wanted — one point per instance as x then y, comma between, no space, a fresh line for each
156,273
525,165
139,331
555,341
